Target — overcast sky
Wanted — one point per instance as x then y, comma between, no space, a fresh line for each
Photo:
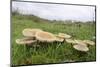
56,11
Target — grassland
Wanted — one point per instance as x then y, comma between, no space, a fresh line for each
47,53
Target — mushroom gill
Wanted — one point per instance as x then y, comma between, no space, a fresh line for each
25,41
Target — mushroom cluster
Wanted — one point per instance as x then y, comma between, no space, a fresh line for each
80,45
34,35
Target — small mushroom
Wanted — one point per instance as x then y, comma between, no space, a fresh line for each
63,35
45,36
89,42
25,41
80,42
58,39
29,32
82,48
70,41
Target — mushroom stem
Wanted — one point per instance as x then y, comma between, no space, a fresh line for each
64,39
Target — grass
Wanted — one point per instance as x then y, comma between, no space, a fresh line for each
47,53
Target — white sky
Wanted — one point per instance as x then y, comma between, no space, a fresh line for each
56,11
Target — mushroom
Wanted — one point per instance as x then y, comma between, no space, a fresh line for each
82,48
58,39
70,41
29,32
89,42
63,35
25,41
45,36
80,42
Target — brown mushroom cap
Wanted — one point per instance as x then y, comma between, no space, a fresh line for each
81,48
29,32
70,41
25,41
45,36
63,35
89,42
